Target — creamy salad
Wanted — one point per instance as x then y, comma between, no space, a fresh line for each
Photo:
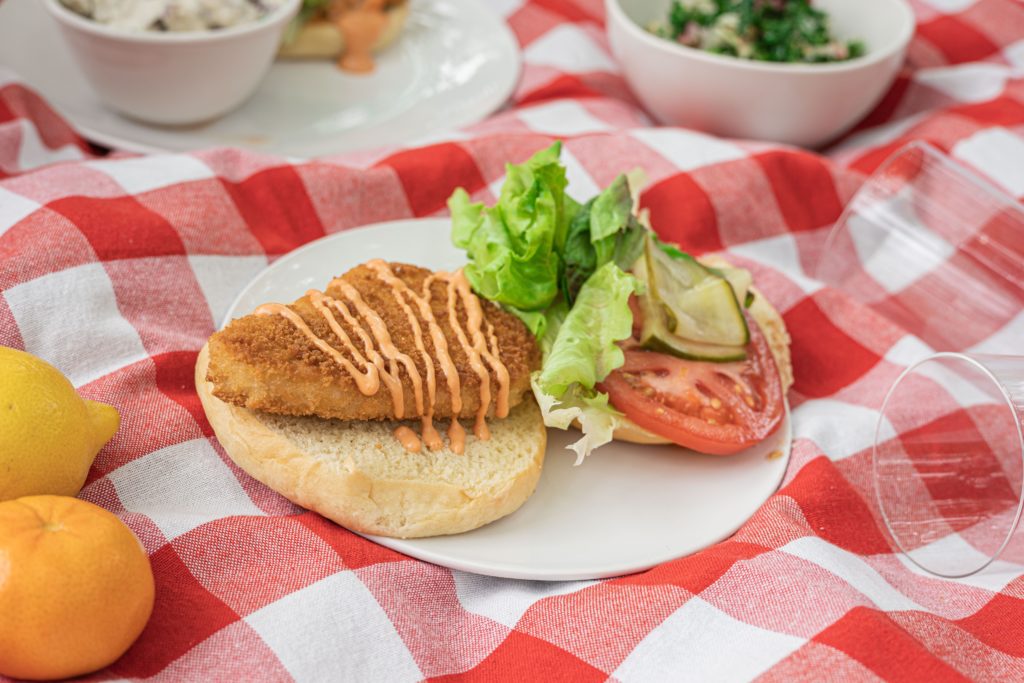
172,15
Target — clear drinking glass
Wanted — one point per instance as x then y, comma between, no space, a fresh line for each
933,247
940,251
949,484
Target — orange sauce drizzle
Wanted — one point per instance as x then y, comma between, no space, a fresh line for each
478,341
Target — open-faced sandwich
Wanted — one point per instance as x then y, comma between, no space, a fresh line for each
348,401
348,31
404,402
641,342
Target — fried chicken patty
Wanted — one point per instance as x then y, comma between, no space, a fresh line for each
264,362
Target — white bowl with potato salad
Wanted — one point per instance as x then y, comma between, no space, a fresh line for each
173,62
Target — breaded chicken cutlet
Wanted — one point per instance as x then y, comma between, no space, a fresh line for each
267,361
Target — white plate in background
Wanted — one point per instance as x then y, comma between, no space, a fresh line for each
455,62
625,509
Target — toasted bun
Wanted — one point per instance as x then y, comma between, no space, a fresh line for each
357,474
321,39
774,329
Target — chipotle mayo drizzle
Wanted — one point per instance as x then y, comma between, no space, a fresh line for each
399,288
478,342
383,337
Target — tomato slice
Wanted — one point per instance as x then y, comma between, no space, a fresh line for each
717,408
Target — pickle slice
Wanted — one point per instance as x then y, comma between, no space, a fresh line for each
691,302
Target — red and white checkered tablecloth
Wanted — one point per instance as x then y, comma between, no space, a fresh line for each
116,269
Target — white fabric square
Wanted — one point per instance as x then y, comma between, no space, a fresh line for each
507,601
1005,341
994,577
950,6
34,153
505,8
779,252
14,208
222,277
71,319
907,351
688,149
975,82
335,630
699,642
896,258
142,174
181,487
581,186
1014,54
839,429
568,48
851,569
998,153
561,118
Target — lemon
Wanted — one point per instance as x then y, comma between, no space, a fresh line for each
49,435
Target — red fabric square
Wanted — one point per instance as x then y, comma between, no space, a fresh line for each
204,216
9,333
957,39
429,175
150,420
421,601
825,359
628,614
163,301
493,153
814,657
120,227
175,377
999,624
605,157
682,213
17,101
280,555
347,199
276,207
185,615
1001,111
520,657
870,637
803,187
566,86
885,110
834,510
698,571
43,242
354,550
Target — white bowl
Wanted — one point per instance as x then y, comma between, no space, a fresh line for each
174,78
800,104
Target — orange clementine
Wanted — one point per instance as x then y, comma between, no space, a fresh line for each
76,588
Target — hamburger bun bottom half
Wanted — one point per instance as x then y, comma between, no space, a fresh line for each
358,474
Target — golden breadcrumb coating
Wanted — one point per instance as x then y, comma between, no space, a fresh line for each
266,363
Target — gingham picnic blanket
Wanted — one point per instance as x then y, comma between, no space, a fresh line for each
117,268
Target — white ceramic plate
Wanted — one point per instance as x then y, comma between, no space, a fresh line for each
455,63
625,509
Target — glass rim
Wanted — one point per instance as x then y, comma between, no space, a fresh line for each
1007,400
928,150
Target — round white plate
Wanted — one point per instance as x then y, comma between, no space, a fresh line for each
455,63
625,509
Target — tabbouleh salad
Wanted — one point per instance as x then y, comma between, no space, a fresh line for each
764,30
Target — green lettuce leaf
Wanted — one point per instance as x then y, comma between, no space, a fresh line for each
583,352
514,247
604,230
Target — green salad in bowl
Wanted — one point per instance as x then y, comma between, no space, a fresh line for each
763,30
